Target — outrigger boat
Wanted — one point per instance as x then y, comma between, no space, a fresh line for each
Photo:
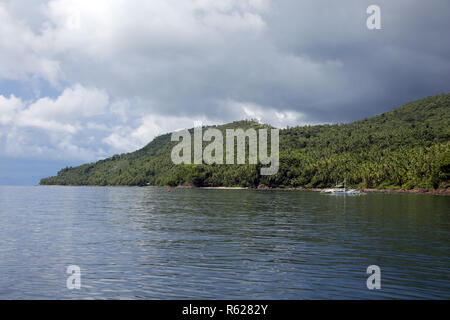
341,189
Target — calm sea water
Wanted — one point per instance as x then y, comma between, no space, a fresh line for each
147,243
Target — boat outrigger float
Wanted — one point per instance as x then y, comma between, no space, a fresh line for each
341,189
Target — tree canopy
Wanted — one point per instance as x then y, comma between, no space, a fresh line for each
408,147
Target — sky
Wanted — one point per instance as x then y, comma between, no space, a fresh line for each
84,80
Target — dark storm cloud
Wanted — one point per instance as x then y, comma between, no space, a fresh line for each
408,59
315,57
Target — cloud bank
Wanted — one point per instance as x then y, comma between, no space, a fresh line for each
82,80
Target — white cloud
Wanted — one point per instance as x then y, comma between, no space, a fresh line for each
104,29
81,123
266,114
127,139
46,127
8,108
60,114
21,51
75,102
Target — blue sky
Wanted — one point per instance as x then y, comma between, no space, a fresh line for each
83,80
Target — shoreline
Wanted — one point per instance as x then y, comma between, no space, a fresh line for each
440,192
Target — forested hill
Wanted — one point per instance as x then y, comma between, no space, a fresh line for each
408,147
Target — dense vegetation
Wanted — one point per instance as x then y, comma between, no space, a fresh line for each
408,147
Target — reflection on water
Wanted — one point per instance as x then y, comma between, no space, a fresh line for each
220,244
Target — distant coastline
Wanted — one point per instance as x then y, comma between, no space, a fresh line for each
445,191
441,191
405,150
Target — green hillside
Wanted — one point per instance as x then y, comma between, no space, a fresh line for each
408,147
